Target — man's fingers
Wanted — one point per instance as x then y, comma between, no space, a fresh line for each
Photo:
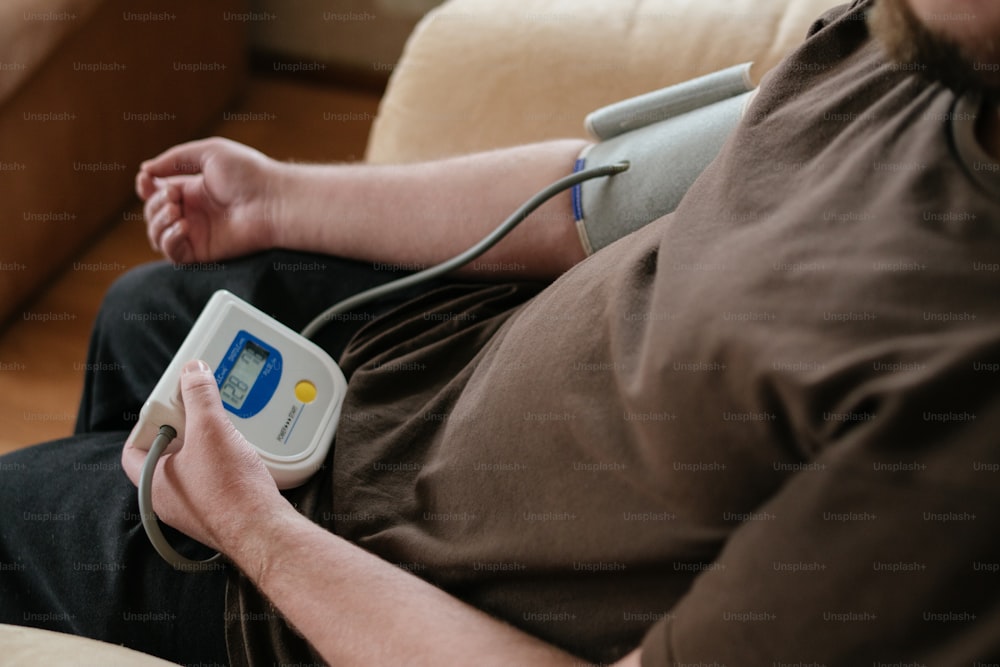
176,245
132,460
163,192
164,210
144,186
186,158
159,221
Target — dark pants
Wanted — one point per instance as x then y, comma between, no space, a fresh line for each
73,555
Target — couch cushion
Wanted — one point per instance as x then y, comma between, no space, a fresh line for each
478,74
30,646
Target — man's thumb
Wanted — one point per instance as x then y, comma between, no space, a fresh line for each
198,389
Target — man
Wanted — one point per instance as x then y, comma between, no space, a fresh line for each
756,431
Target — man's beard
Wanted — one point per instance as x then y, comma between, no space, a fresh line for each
909,41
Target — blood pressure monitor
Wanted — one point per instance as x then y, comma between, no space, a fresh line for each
280,390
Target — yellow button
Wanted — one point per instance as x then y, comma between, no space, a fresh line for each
305,391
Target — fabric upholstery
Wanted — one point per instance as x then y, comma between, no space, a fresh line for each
31,646
480,74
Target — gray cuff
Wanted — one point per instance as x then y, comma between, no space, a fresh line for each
665,157
653,107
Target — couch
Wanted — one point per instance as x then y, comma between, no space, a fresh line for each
476,74
88,89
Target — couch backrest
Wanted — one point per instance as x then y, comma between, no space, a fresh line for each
480,74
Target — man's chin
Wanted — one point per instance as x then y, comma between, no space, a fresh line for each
935,56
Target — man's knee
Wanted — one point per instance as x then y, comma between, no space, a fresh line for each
161,291
142,291
144,316
154,300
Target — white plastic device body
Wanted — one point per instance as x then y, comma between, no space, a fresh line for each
280,390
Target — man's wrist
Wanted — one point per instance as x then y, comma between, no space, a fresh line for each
251,544
280,180
302,204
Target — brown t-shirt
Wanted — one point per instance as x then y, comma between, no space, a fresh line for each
761,430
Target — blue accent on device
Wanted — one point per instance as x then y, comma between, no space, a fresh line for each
576,194
248,375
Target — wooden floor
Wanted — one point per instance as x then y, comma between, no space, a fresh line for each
43,353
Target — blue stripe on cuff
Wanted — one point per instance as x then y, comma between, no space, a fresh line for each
576,194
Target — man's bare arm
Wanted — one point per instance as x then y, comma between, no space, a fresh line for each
216,199
421,214
358,609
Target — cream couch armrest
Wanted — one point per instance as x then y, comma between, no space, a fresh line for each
31,646
479,74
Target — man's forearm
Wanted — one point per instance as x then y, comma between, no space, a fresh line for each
421,214
355,608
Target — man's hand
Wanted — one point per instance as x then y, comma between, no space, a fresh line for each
216,486
209,200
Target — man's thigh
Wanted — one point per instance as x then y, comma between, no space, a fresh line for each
74,558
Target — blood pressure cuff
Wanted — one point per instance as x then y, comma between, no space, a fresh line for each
668,137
